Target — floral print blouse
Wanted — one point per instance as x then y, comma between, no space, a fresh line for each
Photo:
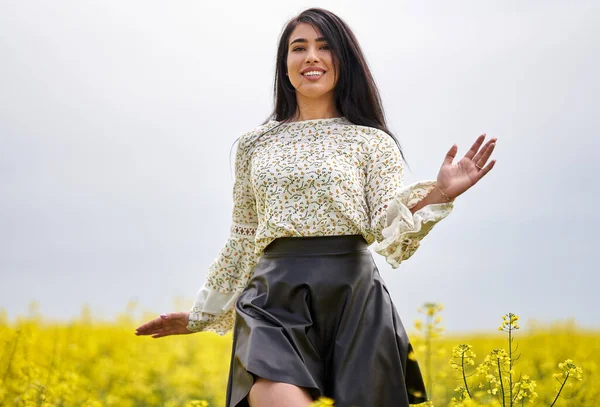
312,178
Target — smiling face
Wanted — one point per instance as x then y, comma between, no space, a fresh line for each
310,63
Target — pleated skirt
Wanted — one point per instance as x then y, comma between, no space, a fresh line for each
318,315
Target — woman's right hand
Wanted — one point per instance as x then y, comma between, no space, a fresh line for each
174,323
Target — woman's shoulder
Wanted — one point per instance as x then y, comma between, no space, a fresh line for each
374,138
373,133
249,138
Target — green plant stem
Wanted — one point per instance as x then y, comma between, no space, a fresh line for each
462,361
560,390
428,357
40,399
510,364
501,384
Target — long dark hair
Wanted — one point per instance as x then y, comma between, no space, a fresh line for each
356,95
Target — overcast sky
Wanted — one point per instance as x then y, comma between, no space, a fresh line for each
117,118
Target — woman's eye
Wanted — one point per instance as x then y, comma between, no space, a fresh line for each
302,48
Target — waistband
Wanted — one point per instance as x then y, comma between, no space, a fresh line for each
316,245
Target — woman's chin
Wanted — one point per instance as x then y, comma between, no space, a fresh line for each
314,93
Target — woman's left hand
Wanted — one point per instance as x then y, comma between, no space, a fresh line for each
454,179
173,323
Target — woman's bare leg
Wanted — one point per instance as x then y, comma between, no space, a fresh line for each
266,393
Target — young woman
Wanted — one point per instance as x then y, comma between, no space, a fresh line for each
315,186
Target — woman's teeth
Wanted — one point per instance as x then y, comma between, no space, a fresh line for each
313,73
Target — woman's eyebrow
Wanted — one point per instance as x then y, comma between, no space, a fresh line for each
319,39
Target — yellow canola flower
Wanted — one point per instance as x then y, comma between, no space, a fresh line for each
462,354
570,369
509,322
526,390
197,403
323,402
431,308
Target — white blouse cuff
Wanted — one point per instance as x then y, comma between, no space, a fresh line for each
209,306
405,230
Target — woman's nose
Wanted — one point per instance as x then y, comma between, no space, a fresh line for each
311,55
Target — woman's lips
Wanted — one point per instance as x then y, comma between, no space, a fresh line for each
314,77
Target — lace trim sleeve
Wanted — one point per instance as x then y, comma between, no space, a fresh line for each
405,230
397,231
229,273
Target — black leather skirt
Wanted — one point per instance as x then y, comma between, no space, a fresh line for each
318,315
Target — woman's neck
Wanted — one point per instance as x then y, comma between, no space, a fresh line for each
310,109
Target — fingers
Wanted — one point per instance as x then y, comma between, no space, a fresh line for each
150,327
166,332
474,153
475,147
451,154
486,169
481,157
174,323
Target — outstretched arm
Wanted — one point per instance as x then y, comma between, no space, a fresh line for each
228,274
401,216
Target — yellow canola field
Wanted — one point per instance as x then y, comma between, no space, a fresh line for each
87,363
537,355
